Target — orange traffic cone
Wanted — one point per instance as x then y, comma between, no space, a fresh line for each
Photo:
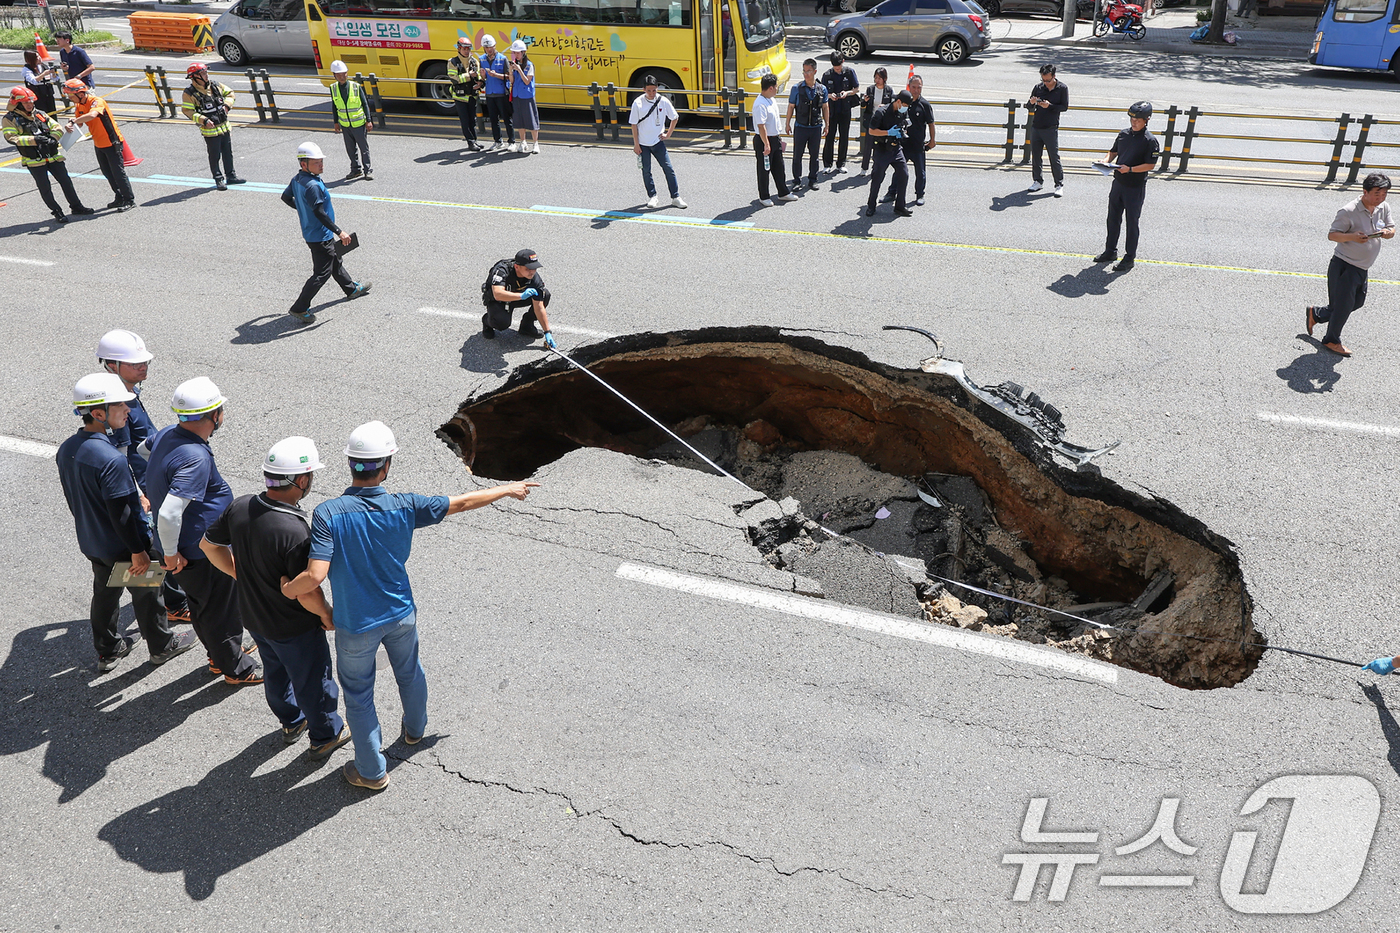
129,157
910,80
41,50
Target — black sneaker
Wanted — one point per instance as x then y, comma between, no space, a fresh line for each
254,676
869,210
220,185
59,218
125,206
903,212
82,211
353,174
306,317
528,330
1107,255
106,662
235,180
116,203
1125,265
178,646
889,196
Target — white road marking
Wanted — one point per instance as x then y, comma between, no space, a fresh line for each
821,610
26,262
476,315
18,445
1359,427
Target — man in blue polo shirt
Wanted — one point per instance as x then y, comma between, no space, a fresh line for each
362,540
307,193
187,494
106,507
494,66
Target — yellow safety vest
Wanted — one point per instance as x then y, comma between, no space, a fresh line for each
350,108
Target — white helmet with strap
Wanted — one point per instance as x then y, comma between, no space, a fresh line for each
195,398
123,346
99,389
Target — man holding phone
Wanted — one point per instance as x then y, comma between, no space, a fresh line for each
1357,230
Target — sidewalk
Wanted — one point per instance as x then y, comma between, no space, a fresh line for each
211,8
1168,30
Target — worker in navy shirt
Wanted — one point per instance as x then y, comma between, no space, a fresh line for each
843,91
106,507
1134,153
308,194
124,353
77,63
808,103
361,540
915,147
187,494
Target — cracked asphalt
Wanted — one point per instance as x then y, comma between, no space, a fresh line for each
605,755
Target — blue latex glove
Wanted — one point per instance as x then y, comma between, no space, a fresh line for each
528,294
1381,666
896,133
549,341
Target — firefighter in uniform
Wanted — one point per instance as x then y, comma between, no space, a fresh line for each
351,112
207,103
36,134
888,126
464,71
516,283
93,113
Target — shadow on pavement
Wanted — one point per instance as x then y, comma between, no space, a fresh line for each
272,327
179,196
480,355
1091,280
1022,198
83,719
231,817
1312,372
449,156
1390,729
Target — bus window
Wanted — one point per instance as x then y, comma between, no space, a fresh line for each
1359,11
665,12
761,23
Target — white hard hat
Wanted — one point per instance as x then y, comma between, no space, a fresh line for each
338,67
309,150
124,347
100,389
372,441
196,397
488,42
292,456
517,46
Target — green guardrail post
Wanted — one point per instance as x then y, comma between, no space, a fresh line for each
1010,130
1334,163
257,94
1172,113
271,99
593,90
724,94
1190,134
1356,154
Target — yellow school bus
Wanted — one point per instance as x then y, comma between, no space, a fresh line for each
694,45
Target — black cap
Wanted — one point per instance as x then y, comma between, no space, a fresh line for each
650,81
528,259
904,97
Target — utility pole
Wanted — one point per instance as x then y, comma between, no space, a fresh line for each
1067,23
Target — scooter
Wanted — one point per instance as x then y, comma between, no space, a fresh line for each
1120,16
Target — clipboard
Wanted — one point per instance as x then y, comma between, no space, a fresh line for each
341,249
71,138
121,575
1106,169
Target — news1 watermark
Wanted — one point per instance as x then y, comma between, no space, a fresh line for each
1319,858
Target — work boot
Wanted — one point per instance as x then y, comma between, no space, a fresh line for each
178,646
220,185
528,330
82,211
354,173
486,330
125,206
106,662
1124,266
58,216
369,175
1311,319
235,180
1108,255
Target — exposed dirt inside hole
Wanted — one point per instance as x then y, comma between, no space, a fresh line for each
1009,518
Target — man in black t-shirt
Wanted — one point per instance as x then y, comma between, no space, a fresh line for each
261,541
843,90
516,283
1134,153
916,148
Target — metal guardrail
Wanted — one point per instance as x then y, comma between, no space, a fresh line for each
608,102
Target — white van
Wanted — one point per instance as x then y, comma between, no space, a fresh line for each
263,29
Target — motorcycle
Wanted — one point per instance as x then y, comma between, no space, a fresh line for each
1120,16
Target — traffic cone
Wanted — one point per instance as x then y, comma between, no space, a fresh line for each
910,79
41,50
128,157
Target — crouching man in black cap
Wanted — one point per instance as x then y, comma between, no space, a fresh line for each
1135,153
515,283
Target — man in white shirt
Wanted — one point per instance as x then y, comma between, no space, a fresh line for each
767,144
653,121
1357,230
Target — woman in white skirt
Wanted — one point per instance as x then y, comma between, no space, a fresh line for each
522,96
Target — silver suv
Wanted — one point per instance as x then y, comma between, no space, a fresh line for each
953,29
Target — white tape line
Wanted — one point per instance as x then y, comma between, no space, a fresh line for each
1358,427
820,610
476,315
18,445
26,262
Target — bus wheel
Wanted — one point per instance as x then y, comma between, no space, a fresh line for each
437,98
665,81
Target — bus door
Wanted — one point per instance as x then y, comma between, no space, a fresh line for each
730,70
1356,32
708,50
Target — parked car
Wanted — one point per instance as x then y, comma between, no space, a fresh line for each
263,29
1083,9
953,29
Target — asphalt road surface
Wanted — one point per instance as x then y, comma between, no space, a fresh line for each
608,753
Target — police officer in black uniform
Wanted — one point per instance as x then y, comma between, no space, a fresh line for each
515,283
843,90
1135,153
888,127
915,147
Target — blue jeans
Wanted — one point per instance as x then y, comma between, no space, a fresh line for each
354,662
663,158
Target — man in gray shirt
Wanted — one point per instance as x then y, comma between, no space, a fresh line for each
1357,230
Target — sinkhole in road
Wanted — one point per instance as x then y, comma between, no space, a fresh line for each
976,484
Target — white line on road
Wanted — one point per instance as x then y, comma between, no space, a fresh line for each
18,445
474,315
26,262
871,622
1359,427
